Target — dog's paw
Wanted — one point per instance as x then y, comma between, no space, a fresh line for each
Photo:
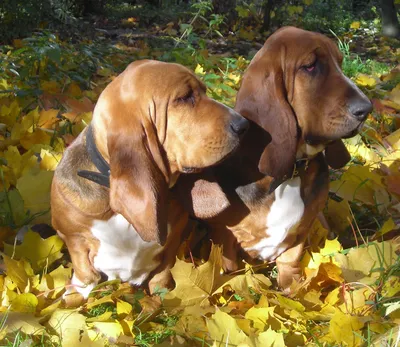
78,286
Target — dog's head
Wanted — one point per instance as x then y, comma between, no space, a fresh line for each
152,122
294,89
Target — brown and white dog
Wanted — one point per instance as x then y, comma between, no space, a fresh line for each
301,105
110,194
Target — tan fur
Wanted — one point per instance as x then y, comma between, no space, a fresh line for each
151,123
295,114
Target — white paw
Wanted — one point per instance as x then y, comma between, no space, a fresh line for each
80,287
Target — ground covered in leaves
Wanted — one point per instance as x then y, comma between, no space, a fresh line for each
351,289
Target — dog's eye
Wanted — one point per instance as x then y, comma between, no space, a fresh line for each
310,67
187,98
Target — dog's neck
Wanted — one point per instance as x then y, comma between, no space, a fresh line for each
243,165
305,150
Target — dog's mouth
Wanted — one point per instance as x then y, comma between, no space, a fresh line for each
190,170
354,132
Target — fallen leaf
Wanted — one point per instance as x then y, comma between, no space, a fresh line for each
224,330
25,302
36,195
345,328
70,326
40,252
195,285
26,322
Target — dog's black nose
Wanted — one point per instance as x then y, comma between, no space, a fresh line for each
360,108
239,125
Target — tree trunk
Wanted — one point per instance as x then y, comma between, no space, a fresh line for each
390,23
268,6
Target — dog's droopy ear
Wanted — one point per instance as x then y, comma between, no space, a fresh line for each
262,99
138,188
336,154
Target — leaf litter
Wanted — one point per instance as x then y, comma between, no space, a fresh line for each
348,296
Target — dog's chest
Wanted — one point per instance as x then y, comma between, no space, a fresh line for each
122,253
282,220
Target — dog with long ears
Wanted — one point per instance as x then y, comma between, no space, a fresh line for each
110,195
301,106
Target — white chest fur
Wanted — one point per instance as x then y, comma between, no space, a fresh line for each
122,253
283,219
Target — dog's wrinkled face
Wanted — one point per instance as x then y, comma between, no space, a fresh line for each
200,131
152,122
328,106
194,130
295,90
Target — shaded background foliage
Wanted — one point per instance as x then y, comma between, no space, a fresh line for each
318,15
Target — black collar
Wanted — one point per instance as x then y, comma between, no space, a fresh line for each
102,177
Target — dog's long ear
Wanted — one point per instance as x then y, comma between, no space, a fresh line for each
138,187
262,99
336,154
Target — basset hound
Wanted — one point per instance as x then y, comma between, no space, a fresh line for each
110,194
300,105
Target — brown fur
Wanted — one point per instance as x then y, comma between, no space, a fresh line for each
295,114
151,123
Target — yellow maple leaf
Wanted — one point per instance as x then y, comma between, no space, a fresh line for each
338,215
195,285
391,287
395,94
357,148
50,159
9,114
331,247
377,254
71,327
25,302
345,328
38,251
30,120
388,226
241,283
104,317
224,330
14,160
111,329
317,236
393,139
199,70
264,317
362,184
48,118
53,283
37,136
355,25
19,271
123,309
365,80
270,338
35,190
48,310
